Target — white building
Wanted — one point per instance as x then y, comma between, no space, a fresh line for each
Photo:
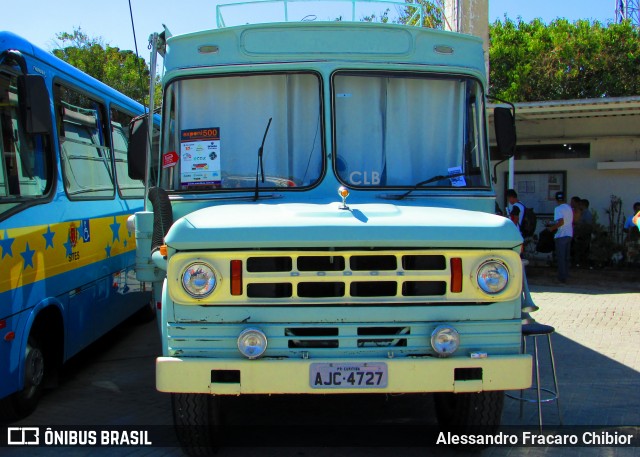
587,148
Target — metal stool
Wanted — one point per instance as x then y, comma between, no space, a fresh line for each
535,330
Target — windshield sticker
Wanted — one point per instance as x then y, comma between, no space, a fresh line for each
200,155
170,159
456,179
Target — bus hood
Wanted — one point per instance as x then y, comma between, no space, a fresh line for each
299,225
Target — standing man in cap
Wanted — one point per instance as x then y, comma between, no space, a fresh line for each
563,223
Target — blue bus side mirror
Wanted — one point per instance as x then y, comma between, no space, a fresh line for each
34,104
505,126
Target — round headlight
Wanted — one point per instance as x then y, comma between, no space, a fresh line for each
252,343
199,280
445,340
493,277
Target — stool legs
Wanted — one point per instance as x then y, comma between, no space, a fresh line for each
539,402
555,394
524,351
555,378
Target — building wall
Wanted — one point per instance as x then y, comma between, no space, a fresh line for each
583,178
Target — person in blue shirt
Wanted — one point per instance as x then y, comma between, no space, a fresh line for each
632,241
629,223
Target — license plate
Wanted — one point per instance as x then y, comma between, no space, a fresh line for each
362,375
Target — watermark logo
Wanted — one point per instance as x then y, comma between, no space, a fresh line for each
53,436
23,436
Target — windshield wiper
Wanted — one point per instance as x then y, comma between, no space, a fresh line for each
427,181
260,168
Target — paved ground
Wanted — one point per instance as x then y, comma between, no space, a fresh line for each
597,348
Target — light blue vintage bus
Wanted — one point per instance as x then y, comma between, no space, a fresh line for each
323,222
66,257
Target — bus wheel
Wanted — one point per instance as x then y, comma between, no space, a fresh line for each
24,402
147,313
196,419
469,413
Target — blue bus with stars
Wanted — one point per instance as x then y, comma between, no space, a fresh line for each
66,256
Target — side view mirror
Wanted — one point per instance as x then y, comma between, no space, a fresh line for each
137,149
34,105
505,125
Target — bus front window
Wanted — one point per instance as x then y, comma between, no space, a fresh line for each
214,127
395,130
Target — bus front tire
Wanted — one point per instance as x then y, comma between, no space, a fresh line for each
147,313
469,413
21,404
196,419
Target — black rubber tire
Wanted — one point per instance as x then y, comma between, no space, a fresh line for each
23,403
196,419
146,314
469,413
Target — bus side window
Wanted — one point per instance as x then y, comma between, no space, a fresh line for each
127,187
84,145
25,163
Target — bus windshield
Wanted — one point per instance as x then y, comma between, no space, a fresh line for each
214,128
410,129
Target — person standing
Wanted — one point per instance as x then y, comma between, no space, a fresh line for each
515,209
582,235
563,224
587,217
632,240
576,207
629,224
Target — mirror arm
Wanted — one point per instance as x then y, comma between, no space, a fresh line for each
15,57
494,178
513,107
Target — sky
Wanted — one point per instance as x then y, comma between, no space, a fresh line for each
40,20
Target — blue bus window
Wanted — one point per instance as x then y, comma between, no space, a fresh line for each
23,168
86,158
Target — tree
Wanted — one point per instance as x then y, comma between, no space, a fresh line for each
431,14
122,70
560,61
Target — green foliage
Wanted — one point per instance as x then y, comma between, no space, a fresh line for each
432,18
561,61
608,240
432,15
616,219
122,70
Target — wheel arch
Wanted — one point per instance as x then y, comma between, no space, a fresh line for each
46,322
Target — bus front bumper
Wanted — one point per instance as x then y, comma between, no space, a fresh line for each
402,375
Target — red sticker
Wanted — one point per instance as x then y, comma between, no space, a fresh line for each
170,159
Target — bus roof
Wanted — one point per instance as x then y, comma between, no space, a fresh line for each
324,41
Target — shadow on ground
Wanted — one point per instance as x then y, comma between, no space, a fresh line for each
622,280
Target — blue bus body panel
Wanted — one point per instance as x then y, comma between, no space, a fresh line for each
73,256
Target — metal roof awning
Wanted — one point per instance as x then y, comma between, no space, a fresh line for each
623,106
566,119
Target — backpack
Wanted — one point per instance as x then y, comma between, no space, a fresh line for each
529,222
545,242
